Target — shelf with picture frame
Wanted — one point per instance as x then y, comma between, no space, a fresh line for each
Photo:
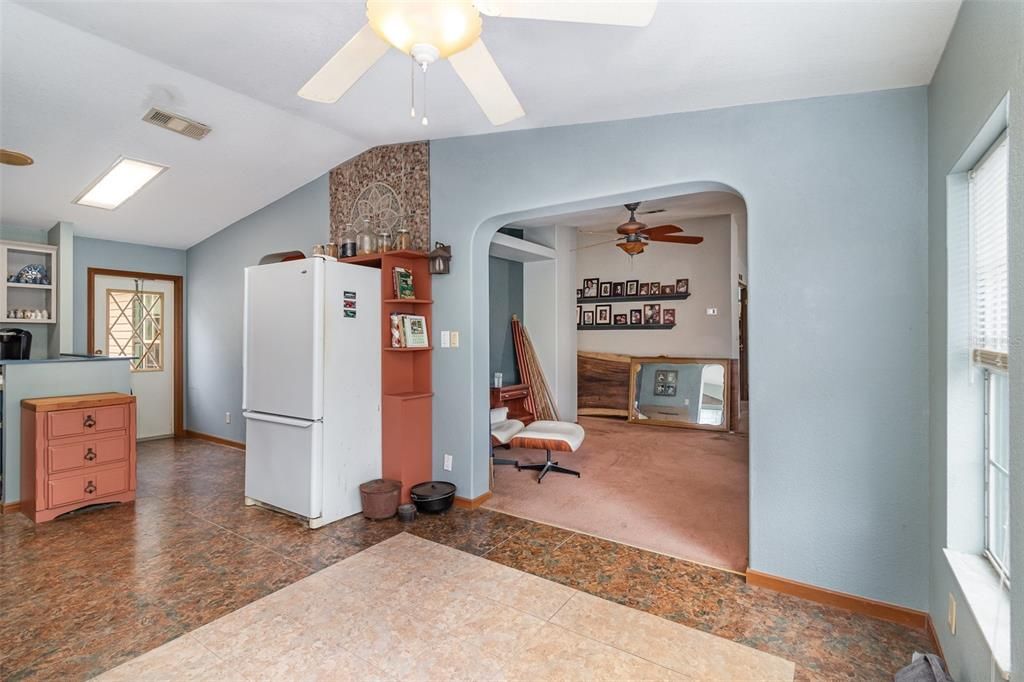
40,299
634,299
595,290
621,327
601,316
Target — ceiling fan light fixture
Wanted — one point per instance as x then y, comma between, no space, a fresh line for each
632,248
450,26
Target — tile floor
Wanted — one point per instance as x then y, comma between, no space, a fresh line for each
92,590
411,609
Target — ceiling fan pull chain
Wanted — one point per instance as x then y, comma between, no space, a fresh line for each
412,87
424,121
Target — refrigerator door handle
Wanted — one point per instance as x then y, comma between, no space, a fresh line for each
277,419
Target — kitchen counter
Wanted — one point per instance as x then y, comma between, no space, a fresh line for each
45,378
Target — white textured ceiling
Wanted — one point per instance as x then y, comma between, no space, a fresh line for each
77,77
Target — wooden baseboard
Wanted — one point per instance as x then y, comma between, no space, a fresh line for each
215,439
10,508
466,503
862,605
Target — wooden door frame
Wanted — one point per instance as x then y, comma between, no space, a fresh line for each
178,380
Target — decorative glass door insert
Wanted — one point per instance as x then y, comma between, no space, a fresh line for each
135,328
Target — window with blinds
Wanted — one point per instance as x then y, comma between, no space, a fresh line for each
988,184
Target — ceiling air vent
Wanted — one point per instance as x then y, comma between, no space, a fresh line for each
177,124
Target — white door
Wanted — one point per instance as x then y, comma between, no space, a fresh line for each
284,337
135,318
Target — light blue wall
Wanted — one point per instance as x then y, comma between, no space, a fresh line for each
983,61
101,253
836,193
214,285
506,300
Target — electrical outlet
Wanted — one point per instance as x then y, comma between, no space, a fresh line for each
686,402
447,462
712,311
455,339
446,339
227,417
951,614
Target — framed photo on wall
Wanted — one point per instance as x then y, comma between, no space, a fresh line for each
645,289
682,286
604,313
619,289
579,293
606,289
636,316
620,319
590,288
652,313
655,289
579,314
668,316
632,287
588,318
668,288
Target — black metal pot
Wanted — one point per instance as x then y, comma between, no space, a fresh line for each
433,497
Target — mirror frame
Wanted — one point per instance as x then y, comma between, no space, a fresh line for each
635,366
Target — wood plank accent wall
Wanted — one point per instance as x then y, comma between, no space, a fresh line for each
602,384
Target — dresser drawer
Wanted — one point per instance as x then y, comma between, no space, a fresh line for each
84,422
86,453
85,486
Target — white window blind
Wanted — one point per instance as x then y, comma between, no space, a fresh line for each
990,313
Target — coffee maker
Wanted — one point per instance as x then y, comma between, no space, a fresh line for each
15,344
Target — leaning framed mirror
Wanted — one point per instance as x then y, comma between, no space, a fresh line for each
691,393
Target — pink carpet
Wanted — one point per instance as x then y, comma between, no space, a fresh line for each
680,492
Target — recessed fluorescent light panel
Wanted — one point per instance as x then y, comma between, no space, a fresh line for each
119,183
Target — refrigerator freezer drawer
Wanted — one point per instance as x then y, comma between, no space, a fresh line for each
284,463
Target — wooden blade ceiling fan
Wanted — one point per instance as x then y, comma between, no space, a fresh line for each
636,235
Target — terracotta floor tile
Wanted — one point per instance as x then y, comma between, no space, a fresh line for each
94,589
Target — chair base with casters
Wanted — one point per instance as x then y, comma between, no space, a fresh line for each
546,467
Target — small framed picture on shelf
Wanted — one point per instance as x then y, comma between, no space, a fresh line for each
668,288
652,313
632,287
590,288
579,314
655,288
636,316
668,316
588,318
579,293
619,289
645,289
620,319
682,286
604,313
606,289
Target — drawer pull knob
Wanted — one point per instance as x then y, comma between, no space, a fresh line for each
90,488
90,454
89,422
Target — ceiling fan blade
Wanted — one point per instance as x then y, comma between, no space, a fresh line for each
477,69
590,246
346,67
636,13
669,233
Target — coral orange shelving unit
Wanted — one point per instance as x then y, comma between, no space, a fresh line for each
406,383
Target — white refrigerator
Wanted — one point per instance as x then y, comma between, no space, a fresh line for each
311,387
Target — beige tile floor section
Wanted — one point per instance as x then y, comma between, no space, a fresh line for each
411,609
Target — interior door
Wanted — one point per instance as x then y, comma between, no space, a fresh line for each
135,318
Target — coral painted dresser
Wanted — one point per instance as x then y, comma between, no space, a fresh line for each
76,450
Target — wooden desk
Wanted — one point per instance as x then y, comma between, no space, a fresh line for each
513,397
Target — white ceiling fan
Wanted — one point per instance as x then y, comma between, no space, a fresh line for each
429,30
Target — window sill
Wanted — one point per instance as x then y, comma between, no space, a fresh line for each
987,601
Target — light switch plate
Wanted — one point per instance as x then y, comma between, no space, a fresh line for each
447,462
446,339
951,614
455,339
712,311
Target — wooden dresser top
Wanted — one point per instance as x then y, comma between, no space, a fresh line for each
73,402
